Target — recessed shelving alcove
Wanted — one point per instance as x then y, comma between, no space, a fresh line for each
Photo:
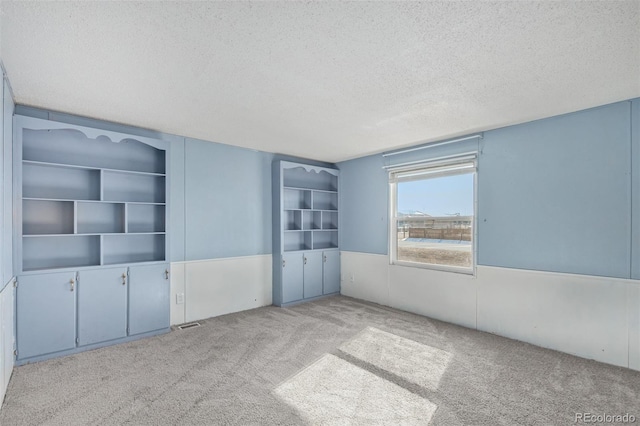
91,238
89,198
306,258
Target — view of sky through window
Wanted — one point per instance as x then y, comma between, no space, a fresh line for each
442,196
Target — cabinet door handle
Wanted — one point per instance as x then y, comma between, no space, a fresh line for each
284,262
166,274
73,283
324,259
305,260
124,278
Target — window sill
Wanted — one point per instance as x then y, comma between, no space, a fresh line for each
442,268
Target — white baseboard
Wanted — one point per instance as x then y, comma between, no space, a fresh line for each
592,317
220,286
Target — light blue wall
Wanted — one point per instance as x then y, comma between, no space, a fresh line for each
635,189
553,195
228,201
6,212
177,200
3,137
227,196
364,213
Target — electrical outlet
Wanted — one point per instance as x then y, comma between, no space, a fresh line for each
179,298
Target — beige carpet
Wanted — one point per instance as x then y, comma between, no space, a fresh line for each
337,361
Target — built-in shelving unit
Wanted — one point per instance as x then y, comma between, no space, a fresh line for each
310,213
90,201
305,227
91,238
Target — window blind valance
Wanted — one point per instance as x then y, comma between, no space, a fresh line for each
433,154
441,166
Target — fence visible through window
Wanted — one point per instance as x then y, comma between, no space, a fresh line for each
434,219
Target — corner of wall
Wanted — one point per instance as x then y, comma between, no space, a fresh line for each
633,314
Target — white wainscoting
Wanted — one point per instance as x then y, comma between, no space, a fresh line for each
365,276
436,294
581,315
178,288
220,286
633,308
592,317
7,337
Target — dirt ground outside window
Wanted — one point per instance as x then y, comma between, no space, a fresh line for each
437,253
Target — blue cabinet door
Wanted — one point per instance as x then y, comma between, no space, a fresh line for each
102,305
292,277
312,274
331,272
148,298
46,313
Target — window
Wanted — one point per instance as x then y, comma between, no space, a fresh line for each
433,215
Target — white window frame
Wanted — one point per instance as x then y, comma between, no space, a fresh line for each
444,166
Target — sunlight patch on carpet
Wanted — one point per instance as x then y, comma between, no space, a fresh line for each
420,364
334,391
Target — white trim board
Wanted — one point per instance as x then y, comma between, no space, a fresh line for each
592,317
215,287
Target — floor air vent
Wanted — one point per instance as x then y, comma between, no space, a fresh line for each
190,325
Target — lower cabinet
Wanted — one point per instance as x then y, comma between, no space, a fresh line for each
102,305
45,313
331,272
148,291
309,274
66,311
312,279
292,277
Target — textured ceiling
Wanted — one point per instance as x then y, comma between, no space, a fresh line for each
324,80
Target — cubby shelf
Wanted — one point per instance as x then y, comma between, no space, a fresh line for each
89,202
